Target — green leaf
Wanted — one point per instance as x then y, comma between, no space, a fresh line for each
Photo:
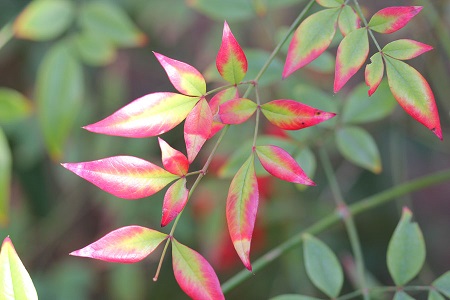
358,146
13,105
360,108
330,3
348,20
59,91
374,73
307,160
443,284
230,10
5,178
434,295
44,20
405,49
322,266
256,58
402,296
94,49
15,282
293,297
323,64
109,21
406,250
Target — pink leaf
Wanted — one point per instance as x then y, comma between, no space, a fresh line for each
405,49
125,177
173,160
194,274
391,19
150,115
197,128
185,78
125,245
351,55
231,61
174,201
311,39
280,164
214,104
374,73
293,115
242,205
237,111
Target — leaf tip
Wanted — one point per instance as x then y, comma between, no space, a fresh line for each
438,132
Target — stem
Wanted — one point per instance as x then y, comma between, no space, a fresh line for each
363,205
6,34
258,113
361,15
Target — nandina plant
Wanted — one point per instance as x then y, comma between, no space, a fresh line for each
207,113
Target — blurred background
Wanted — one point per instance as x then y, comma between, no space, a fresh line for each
93,57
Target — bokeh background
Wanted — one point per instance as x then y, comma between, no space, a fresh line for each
53,212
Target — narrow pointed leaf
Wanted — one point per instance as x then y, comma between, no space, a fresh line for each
44,20
126,177
215,102
197,128
348,20
434,295
125,245
150,115
13,105
330,3
322,266
185,78
173,160
236,111
351,55
174,201
414,94
358,146
405,49
293,115
242,206
406,250
5,178
391,19
311,39
374,73
442,284
194,274
231,61
15,282
281,164
401,295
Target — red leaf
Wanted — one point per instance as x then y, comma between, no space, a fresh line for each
231,61
174,201
293,115
236,111
197,128
391,19
194,274
126,245
185,78
280,164
242,205
173,160
214,104
125,177
150,115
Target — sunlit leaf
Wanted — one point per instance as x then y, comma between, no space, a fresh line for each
5,178
174,201
293,115
358,146
194,274
150,115
59,93
231,61
374,73
406,250
197,128
442,283
413,93
391,19
173,160
242,206
215,102
15,282
111,22
13,105
185,78
330,3
126,245
401,295
348,20
351,55
281,164
311,38
236,111
434,295
94,49
405,49
126,177
44,20
322,266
